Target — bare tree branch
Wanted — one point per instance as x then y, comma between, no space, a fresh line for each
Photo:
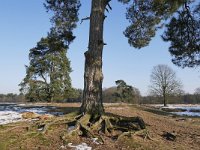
86,18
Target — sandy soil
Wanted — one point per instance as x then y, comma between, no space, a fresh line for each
187,131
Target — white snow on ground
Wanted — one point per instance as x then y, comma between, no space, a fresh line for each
187,113
12,113
190,109
35,110
82,146
176,105
9,117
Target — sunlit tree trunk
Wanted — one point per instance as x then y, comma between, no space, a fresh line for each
93,77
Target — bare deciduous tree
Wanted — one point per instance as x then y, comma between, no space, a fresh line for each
197,91
164,82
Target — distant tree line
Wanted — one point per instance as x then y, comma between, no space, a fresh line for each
109,96
40,84
76,96
114,95
10,97
177,99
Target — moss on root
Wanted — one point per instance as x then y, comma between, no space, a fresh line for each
75,126
109,125
3,145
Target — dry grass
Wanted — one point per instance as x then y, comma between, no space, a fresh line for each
17,136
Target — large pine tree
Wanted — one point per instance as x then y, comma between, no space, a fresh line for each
145,17
47,76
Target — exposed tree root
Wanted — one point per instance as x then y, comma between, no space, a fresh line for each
109,125
89,126
44,125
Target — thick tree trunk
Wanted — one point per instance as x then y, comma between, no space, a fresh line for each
93,77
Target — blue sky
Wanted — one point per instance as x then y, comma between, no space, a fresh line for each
24,22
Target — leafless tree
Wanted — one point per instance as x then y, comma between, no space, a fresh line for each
164,82
197,91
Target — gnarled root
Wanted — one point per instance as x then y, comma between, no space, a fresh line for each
89,126
108,125
44,125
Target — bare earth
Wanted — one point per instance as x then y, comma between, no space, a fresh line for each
187,131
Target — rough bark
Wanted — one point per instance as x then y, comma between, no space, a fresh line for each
93,77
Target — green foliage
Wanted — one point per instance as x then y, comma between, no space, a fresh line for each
126,93
47,76
121,93
65,17
183,32
145,17
3,145
108,95
10,97
75,95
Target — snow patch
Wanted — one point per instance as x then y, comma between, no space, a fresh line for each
10,112
187,113
188,109
94,140
82,146
9,117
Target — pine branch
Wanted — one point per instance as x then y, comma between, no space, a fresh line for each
107,3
